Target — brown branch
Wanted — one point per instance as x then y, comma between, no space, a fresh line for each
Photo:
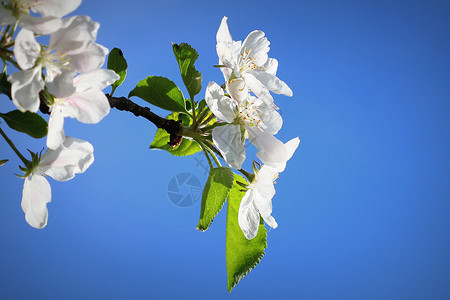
172,127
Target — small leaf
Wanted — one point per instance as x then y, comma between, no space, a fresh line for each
5,85
186,147
160,92
117,63
217,187
242,255
26,122
201,105
186,57
3,161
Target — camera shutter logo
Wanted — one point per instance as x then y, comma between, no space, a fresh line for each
184,190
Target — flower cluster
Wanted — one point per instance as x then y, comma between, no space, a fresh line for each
247,109
66,74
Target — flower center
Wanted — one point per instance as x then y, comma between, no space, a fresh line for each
22,7
247,63
54,59
54,62
249,114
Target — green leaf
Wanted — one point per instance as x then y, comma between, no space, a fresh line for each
242,255
160,92
186,57
117,63
217,187
27,122
3,161
186,147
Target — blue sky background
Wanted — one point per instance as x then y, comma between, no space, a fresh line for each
362,207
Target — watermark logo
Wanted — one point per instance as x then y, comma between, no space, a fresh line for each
184,190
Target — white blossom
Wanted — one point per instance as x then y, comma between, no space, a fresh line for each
252,119
72,50
257,200
72,157
51,12
88,104
248,64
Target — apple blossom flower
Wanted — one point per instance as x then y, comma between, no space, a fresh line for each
88,104
51,12
72,50
72,157
248,64
252,119
258,198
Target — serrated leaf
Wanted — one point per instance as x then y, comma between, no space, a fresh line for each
186,57
217,187
186,147
242,255
117,63
26,122
5,85
160,92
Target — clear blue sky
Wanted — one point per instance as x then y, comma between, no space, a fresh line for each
362,207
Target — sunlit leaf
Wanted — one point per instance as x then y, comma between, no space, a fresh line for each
186,57
242,255
160,92
217,187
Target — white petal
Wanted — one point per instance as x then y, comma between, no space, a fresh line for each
62,85
89,106
220,105
55,135
290,146
89,60
35,196
271,151
98,79
72,157
75,35
45,25
271,119
228,140
264,183
271,66
257,45
272,83
25,87
258,88
248,216
264,206
238,90
223,34
264,192
26,49
56,8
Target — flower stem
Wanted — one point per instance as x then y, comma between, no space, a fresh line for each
250,176
11,144
5,34
206,153
212,150
211,146
112,90
214,157
208,128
